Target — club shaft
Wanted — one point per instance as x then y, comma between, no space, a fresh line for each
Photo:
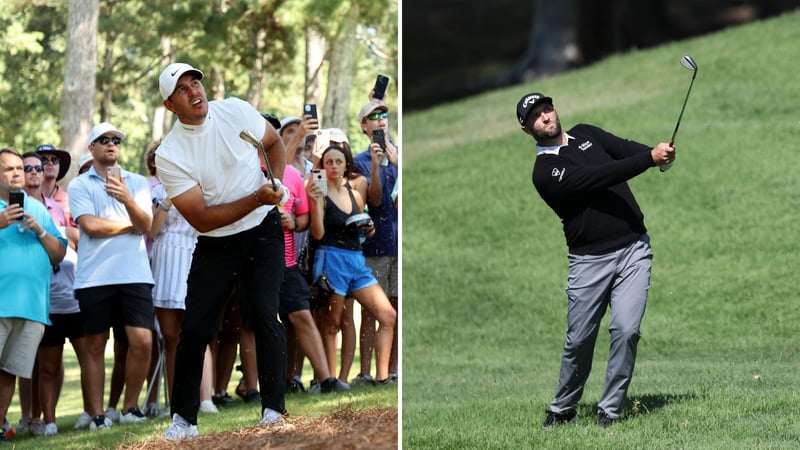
678,124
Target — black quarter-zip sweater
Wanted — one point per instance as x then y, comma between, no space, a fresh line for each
585,183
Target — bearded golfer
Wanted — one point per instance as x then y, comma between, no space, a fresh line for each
582,176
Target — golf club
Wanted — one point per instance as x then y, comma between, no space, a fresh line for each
688,63
248,136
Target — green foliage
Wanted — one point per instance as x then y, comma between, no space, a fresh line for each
484,259
222,38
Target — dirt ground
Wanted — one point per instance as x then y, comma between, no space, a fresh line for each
351,430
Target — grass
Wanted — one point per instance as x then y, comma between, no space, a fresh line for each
484,259
232,418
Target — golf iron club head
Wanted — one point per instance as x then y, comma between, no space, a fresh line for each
248,137
687,62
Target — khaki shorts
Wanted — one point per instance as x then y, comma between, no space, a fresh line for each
384,268
19,340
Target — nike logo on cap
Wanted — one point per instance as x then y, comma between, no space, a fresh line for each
176,71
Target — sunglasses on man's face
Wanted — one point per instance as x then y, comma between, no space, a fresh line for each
29,169
51,160
105,140
378,115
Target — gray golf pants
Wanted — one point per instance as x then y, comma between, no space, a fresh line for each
618,280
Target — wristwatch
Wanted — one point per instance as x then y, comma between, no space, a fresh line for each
160,204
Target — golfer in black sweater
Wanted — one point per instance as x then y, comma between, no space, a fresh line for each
582,175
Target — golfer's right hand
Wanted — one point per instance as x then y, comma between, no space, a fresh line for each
268,196
663,154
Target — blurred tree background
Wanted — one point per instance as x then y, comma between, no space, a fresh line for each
67,65
457,48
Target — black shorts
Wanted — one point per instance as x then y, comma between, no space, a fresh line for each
118,304
295,294
64,326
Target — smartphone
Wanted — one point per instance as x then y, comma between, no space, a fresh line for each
114,172
380,86
310,109
322,142
379,138
17,198
318,176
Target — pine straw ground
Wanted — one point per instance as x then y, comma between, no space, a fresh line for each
364,429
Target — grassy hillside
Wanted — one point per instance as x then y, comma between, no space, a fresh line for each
484,260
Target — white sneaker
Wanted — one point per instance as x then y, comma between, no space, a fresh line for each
133,415
111,414
271,417
180,429
23,426
50,429
83,421
207,406
100,423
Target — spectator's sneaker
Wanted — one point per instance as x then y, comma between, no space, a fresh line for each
252,396
50,429
36,427
362,380
271,417
314,388
294,386
132,415
334,385
207,406
393,376
222,399
604,421
180,429
23,426
555,419
387,382
6,432
83,421
111,414
100,422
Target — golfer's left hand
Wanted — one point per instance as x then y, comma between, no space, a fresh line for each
663,154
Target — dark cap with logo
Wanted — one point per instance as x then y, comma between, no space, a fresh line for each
528,102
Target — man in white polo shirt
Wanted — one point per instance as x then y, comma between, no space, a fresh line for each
113,281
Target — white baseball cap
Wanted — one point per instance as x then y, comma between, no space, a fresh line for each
170,76
337,135
103,128
85,159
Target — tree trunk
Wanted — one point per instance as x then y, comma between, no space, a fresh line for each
340,74
257,75
315,57
77,102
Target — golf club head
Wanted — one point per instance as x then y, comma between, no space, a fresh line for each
248,136
689,63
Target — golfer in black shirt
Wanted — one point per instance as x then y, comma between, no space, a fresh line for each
582,176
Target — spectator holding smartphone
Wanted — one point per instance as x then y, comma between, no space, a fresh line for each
27,234
340,258
379,165
113,284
